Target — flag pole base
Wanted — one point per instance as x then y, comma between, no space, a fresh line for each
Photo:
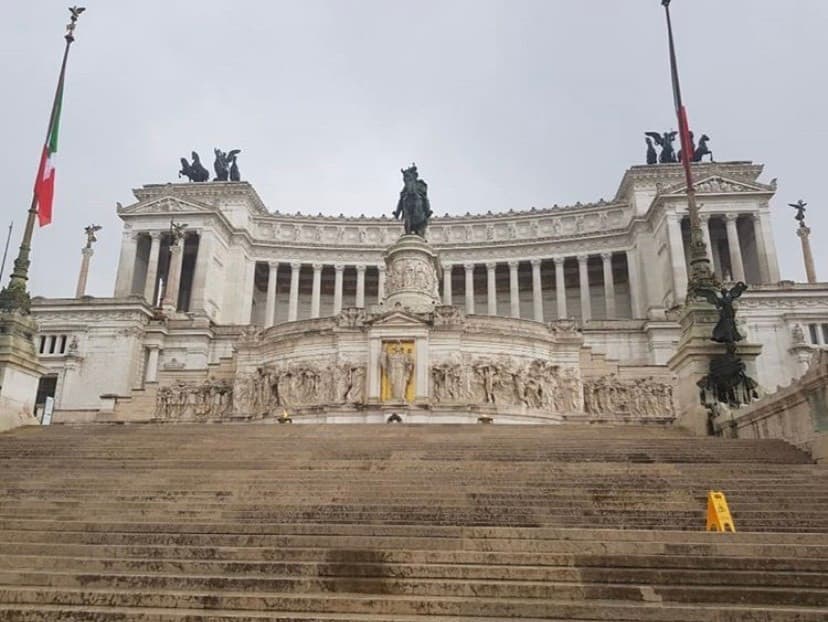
15,298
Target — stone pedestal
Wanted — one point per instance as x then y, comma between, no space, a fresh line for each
412,273
20,370
691,362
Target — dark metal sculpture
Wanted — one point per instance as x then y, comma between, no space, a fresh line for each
413,207
665,141
725,330
222,164
234,168
727,381
799,206
702,150
194,171
652,156
90,234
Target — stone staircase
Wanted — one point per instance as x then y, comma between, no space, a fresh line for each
175,523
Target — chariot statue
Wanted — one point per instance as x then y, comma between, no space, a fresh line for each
413,206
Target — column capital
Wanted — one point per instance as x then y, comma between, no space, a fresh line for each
731,217
582,258
705,218
513,264
803,231
559,261
339,267
88,251
274,265
360,267
381,267
317,267
155,235
606,256
491,265
468,266
535,262
295,265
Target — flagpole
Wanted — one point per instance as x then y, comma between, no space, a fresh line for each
15,297
701,275
6,251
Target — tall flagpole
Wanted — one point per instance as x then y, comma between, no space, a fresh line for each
15,297
701,276
6,251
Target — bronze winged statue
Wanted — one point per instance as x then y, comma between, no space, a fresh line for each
665,141
725,330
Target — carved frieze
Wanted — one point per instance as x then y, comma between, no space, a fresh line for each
641,397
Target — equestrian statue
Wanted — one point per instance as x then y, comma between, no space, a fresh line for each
413,206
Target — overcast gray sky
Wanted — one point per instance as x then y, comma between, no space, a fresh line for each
502,104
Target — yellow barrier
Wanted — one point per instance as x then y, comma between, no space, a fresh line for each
718,514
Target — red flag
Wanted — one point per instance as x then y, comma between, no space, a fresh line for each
681,112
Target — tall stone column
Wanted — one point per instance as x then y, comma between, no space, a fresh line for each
678,260
152,268
804,233
316,289
537,291
381,283
736,265
447,269
634,283
270,304
560,287
583,285
704,219
770,248
469,287
293,303
84,271
170,302
761,252
491,288
126,264
338,269
360,287
514,293
151,372
609,286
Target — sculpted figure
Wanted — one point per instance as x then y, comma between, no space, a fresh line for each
222,164
702,150
725,330
194,171
357,387
488,376
413,206
652,156
91,230
399,368
665,141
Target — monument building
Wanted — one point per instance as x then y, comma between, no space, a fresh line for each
223,309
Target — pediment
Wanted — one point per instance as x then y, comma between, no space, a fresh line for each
716,184
165,205
398,319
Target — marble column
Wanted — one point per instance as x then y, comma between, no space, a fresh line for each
270,303
583,285
469,287
704,219
360,287
804,233
770,248
634,284
537,291
560,287
337,308
126,264
514,294
447,269
170,302
381,283
761,251
609,286
84,271
151,372
678,260
316,289
737,267
491,288
152,268
293,303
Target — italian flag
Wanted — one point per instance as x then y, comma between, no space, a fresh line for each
45,183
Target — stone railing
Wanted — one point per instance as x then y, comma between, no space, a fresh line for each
797,414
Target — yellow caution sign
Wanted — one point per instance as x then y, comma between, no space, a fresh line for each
718,514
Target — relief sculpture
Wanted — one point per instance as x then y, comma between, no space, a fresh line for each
212,399
609,395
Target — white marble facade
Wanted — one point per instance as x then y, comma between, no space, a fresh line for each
617,267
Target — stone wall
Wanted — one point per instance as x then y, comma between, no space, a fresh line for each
797,414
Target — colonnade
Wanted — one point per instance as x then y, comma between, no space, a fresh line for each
301,288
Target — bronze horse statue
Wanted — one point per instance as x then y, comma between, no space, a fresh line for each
413,207
194,171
